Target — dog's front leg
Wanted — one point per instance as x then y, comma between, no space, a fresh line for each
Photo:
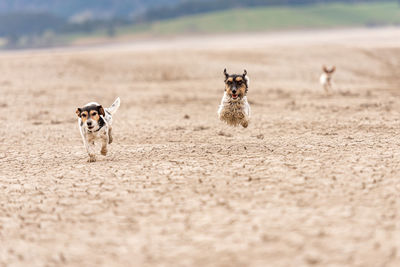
245,121
105,139
91,149
246,113
88,146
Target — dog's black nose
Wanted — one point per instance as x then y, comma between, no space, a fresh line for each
233,91
89,123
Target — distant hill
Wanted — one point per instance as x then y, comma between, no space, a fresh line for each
191,7
277,18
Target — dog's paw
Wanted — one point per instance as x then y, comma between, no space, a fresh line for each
110,139
92,158
103,151
245,124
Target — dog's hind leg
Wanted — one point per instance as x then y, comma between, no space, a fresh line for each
110,138
104,141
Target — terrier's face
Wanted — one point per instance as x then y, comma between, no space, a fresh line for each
90,116
236,86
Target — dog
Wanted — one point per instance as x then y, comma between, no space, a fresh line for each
234,108
326,78
95,123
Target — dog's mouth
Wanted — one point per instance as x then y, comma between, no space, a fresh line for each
235,96
90,127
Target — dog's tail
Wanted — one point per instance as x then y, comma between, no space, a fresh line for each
114,107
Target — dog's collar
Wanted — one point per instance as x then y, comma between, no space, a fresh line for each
101,124
95,130
98,129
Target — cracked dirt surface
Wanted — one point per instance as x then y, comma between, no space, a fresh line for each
313,181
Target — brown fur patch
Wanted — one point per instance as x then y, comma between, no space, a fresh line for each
101,110
242,90
84,116
228,89
238,79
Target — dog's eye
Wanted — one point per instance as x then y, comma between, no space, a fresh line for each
94,114
83,115
239,82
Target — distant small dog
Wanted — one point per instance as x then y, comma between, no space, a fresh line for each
326,78
234,108
95,123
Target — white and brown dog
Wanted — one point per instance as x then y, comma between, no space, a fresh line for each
234,108
95,123
326,77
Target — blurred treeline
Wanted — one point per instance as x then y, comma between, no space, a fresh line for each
35,23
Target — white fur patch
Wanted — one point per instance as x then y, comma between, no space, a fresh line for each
91,103
323,78
247,80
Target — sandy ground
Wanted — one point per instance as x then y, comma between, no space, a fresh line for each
314,180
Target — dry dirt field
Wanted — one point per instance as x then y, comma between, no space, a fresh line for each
313,181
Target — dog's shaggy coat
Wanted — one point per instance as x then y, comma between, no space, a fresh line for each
234,108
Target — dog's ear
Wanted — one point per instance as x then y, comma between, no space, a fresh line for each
101,111
325,69
333,69
226,74
78,112
244,73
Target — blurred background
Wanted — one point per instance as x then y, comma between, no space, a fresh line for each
47,23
